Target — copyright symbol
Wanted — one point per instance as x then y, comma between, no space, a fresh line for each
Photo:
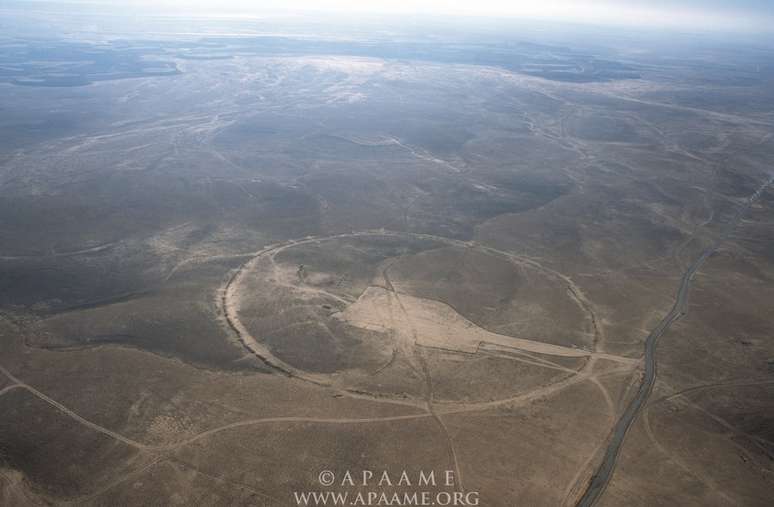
326,478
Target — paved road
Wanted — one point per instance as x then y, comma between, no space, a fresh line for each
605,471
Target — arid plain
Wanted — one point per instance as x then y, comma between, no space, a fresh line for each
217,281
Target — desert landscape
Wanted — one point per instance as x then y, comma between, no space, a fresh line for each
543,264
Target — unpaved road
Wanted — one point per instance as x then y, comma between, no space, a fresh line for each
18,384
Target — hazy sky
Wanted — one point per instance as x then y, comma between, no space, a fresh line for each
745,15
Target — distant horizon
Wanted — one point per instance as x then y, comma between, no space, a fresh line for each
748,16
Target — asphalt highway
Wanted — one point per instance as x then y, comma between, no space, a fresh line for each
601,478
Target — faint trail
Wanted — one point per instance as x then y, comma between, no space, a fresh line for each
204,434
428,158
606,395
519,356
701,112
10,388
722,422
387,364
21,492
599,333
429,394
95,249
452,451
548,349
70,413
694,234
216,478
294,420
704,480
199,259
519,399
123,478
582,375
738,383
408,346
